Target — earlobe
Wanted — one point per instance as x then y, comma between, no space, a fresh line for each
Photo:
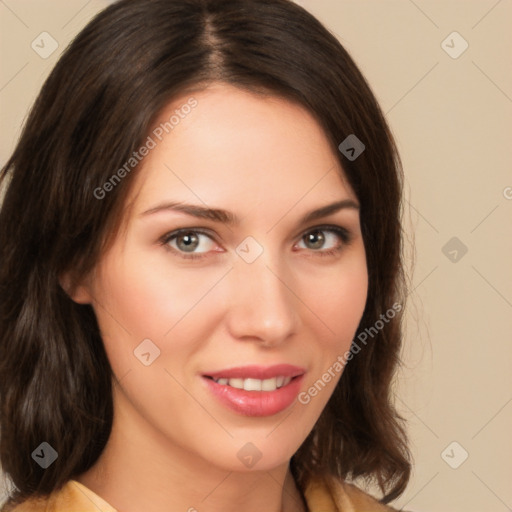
76,292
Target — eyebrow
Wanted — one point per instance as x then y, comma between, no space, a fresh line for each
227,217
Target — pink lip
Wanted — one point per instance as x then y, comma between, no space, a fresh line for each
257,372
255,403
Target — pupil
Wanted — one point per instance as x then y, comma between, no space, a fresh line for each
190,242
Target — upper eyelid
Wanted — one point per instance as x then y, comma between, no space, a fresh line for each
206,232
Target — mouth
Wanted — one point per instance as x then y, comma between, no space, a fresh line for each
256,390
249,384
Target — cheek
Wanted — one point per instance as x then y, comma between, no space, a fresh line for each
141,296
148,296
339,310
338,300
145,298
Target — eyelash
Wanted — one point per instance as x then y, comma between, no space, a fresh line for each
342,233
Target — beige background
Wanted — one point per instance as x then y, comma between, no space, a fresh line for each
452,118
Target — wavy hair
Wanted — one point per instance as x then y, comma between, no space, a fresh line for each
94,110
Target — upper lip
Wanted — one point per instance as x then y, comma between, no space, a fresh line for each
258,372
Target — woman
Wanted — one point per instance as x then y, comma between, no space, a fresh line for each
201,278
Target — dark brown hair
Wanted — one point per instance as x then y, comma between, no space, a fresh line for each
94,110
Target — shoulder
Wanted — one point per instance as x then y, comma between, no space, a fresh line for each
30,505
72,497
39,504
333,495
363,501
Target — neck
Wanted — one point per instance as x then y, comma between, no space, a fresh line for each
137,471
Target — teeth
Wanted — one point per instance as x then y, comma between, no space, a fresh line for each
252,385
236,383
255,384
268,384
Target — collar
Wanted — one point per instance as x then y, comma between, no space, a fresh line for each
321,494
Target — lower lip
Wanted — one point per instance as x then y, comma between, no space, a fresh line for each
256,403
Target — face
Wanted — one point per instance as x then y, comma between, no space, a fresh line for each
241,265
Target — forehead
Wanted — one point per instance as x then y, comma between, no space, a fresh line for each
238,150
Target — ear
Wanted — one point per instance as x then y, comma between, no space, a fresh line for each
77,292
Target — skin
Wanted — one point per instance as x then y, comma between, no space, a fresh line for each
173,446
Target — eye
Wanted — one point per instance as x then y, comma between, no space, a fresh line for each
325,240
186,242
194,243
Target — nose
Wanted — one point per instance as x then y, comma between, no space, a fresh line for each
262,305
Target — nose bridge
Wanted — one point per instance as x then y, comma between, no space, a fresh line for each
262,306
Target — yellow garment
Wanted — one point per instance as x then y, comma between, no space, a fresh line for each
321,496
